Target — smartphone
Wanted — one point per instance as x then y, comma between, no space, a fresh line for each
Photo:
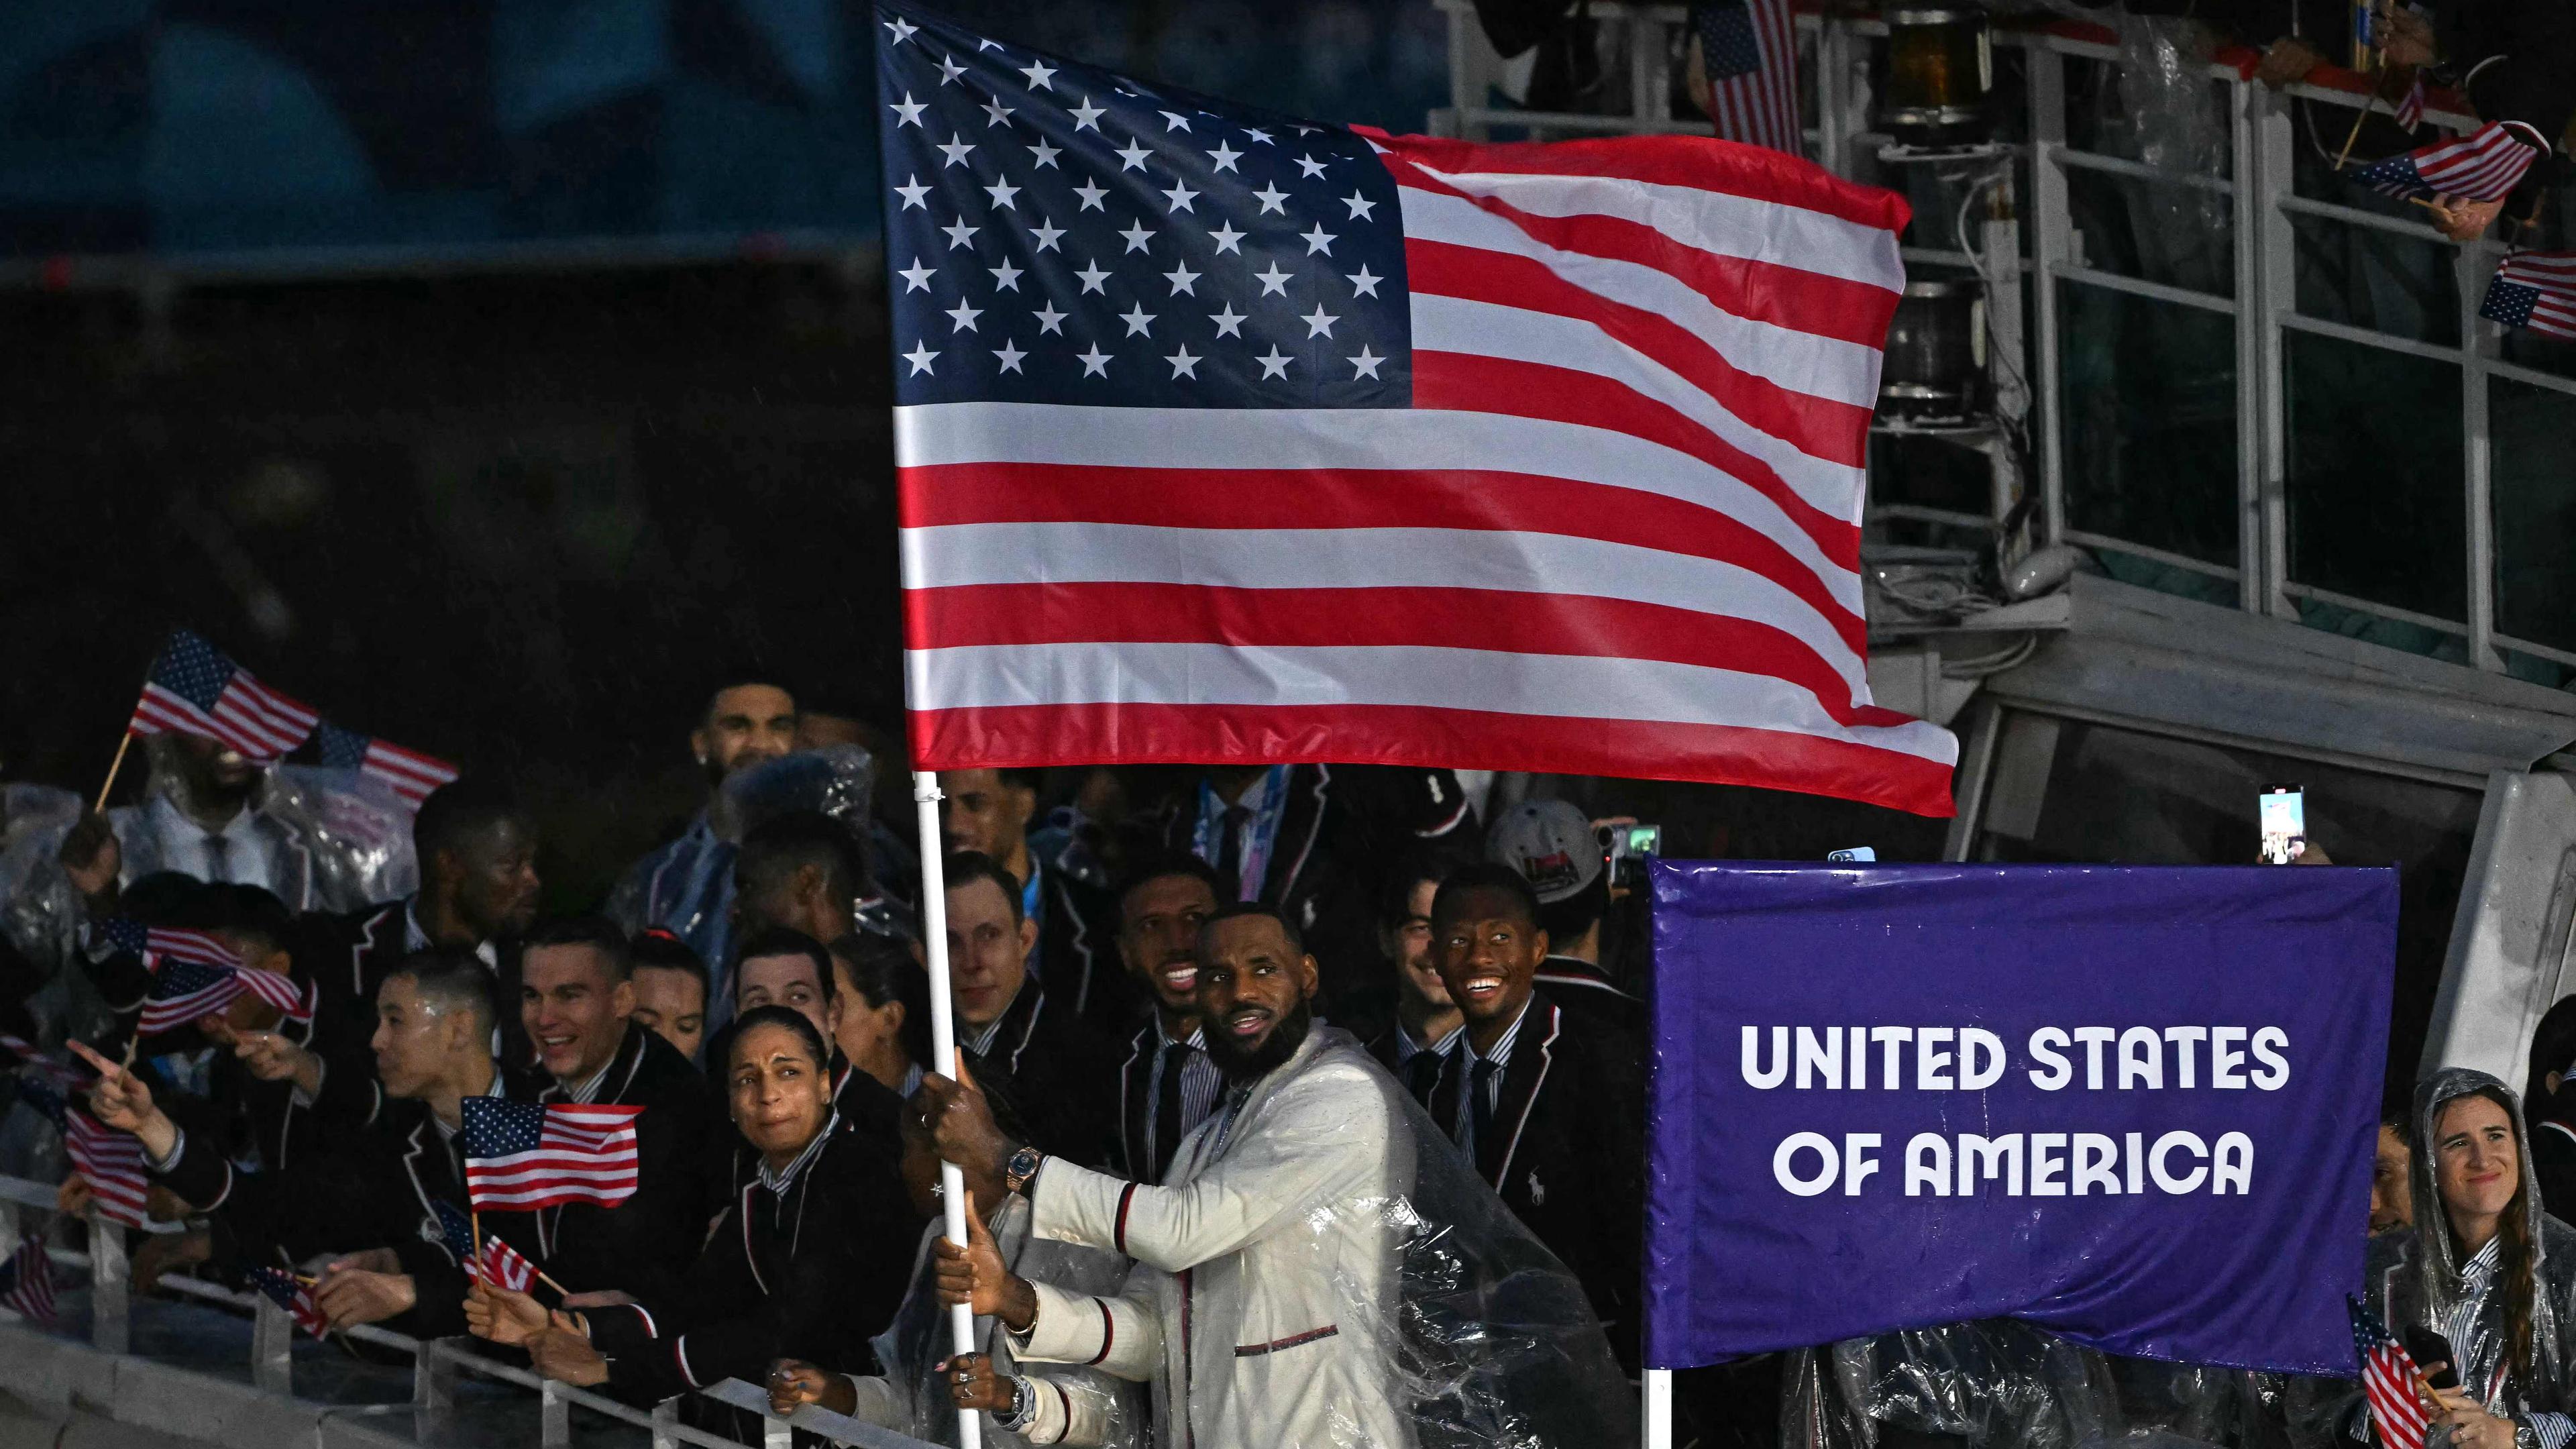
1857,854
2428,1348
2283,815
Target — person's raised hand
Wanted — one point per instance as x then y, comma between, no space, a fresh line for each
972,1383
272,1058
961,1123
92,859
73,1198
2463,220
123,1101
2407,38
498,1315
794,1383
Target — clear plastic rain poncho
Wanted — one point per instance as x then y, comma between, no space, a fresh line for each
1323,1270
686,886
2414,1283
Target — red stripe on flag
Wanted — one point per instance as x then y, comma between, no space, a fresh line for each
1504,622
1461,383
1145,734
1699,162
1819,427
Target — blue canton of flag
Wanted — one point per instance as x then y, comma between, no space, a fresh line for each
192,669
43,1097
124,933
1728,46
497,1127
457,1229
1058,234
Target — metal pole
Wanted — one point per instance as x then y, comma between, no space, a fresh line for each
272,1348
943,1053
1658,1390
107,1283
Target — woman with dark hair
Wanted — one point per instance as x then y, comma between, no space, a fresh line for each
807,1261
2484,1268
2549,1105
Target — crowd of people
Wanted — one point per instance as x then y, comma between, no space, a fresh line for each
1207,1034
1203,1040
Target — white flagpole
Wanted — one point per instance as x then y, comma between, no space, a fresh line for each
1659,1408
943,1056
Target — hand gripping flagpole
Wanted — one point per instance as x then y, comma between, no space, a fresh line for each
943,1056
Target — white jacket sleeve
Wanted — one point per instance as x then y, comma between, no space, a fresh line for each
1121,1336
878,1402
1320,1141
1073,1409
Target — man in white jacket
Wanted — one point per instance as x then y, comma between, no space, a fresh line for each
1262,1304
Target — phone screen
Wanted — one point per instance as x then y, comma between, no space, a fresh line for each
2284,819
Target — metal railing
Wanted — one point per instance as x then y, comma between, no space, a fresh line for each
436,1363
2043,245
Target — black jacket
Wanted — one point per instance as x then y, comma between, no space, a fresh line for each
684,1176
349,956
375,1186
1419,1074
1078,950
811,1273
1342,827
1053,1067
1568,1152
1584,990
2553,1160
1136,1150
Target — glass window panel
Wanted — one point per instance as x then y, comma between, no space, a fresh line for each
2181,236
2533,496
2150,417
2377,500
2375,279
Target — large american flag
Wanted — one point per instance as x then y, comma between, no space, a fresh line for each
2387,1381
195,690
520,1156
1222,436
2535,290
2484,165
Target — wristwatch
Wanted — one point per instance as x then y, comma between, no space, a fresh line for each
1022,1169
1023,1407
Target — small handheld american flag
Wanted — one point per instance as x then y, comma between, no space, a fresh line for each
27,1283
289,1292
2484,165
195,974
2388,1375
194,690
506,1266
520,1156
2410,107
411,774
112,1163
2535,290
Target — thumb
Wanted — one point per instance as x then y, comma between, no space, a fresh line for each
966,1075
977,1234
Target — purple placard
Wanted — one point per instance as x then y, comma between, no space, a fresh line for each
2219,1222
